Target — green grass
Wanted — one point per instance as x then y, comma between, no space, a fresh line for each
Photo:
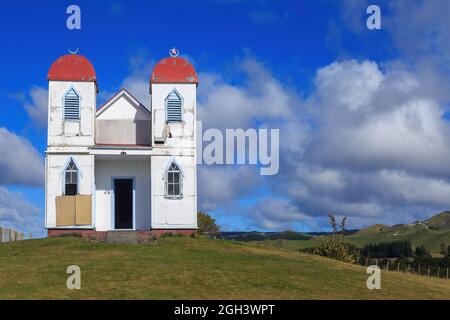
192,268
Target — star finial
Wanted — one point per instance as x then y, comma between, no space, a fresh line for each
174,52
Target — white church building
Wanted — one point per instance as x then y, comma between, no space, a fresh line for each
121,166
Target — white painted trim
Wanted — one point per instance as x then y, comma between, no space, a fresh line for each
46,192
113,209
169,163
62,176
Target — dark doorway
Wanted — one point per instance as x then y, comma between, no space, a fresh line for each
123,203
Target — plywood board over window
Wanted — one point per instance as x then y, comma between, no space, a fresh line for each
65,211
73,210
83,213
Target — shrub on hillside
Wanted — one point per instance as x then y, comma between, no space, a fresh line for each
206,224
334,246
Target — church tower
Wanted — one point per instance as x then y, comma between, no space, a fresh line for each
72,91
173,86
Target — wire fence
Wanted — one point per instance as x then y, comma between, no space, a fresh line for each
415,268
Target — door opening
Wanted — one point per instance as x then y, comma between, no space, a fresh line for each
123,203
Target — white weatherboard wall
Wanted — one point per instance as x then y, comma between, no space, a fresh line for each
71,133
69,139
182,134
55,180
179,144
174,213
128,168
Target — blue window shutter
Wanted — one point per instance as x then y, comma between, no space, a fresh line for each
71,105
173,107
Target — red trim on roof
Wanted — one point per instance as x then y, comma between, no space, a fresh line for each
73,67
174,70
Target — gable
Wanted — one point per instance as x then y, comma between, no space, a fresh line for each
123,121
123,106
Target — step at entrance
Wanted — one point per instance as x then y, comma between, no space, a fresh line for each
122,237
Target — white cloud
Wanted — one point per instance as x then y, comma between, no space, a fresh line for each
348,84
17,213
260,98
366,143
220,186
20,163
277,214
37,108
369,142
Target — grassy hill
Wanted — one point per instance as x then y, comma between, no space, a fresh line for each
430,233
192,268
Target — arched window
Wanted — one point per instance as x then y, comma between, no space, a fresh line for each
71,105
174,181
173,107
71,179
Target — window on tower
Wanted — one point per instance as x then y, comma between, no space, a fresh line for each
174,182
173,107
71,179
71,105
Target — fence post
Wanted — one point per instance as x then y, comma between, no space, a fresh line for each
398,266
367,261
419,270
30,235
428,270
447,273
439,269
387,266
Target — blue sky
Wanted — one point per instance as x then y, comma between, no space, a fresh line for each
319,71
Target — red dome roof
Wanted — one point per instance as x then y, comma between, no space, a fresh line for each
72,67
174,70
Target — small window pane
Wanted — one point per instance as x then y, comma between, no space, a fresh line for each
173,182
71,189
74,177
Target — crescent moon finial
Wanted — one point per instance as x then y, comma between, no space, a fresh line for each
74,51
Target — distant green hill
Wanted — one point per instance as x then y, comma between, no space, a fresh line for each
440,221
431,233
192,268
